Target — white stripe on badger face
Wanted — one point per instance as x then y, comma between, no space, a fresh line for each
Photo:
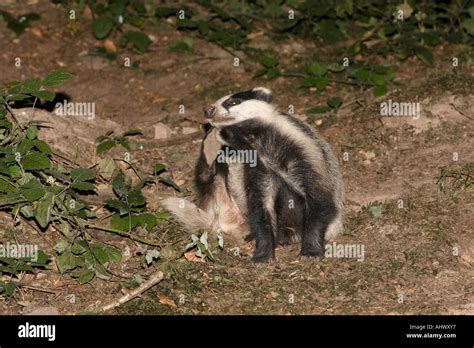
246,110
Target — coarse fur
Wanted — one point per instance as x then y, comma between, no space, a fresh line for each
293,193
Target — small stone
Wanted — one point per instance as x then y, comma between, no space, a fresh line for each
189,130
162,131
369,155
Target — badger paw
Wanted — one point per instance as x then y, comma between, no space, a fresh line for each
263,257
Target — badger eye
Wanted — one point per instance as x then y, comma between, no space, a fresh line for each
234,102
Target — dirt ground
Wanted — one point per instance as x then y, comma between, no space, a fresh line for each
419,248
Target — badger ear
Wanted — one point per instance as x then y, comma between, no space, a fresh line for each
263,94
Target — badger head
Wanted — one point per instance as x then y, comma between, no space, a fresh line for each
238,107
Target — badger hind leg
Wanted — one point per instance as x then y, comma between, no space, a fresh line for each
318,217
191,216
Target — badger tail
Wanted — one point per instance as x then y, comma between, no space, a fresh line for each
192,217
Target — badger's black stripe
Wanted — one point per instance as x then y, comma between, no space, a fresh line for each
240,97
310,132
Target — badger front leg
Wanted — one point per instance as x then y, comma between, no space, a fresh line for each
260,221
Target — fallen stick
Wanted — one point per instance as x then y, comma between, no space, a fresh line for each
154,279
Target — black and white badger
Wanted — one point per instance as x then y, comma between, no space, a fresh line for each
292,192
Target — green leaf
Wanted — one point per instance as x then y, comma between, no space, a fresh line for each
362,74
32,132
273,73
16,96
378,79
61,246
335,102
122,223
9,289
42,258
468,24
376,211
269,61
43,210
321,83
32,190
146,220
118,205
6,186
163,11
335,67
25,146
113,254
79,248
380,90
136,199
82,174
317,69
119,186
424,55
99,253
44,95
308,81
32,85
102,27
140,40
42,146
106,168
260,72
105,146
101,272
158,168
471,11
35,161
56,77
85,276
83,186
15,171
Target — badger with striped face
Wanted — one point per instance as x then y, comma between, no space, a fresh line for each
291,192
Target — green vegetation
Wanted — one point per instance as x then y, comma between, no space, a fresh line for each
39,185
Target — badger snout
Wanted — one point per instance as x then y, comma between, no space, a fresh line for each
209,111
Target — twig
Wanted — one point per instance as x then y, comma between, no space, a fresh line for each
39,289
155,279
12,202
461,112
292,74
13,116
121,233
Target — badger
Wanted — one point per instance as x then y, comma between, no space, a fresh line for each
293,191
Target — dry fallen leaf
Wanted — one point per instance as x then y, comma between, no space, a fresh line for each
36,32
110,46
191,256
167,301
